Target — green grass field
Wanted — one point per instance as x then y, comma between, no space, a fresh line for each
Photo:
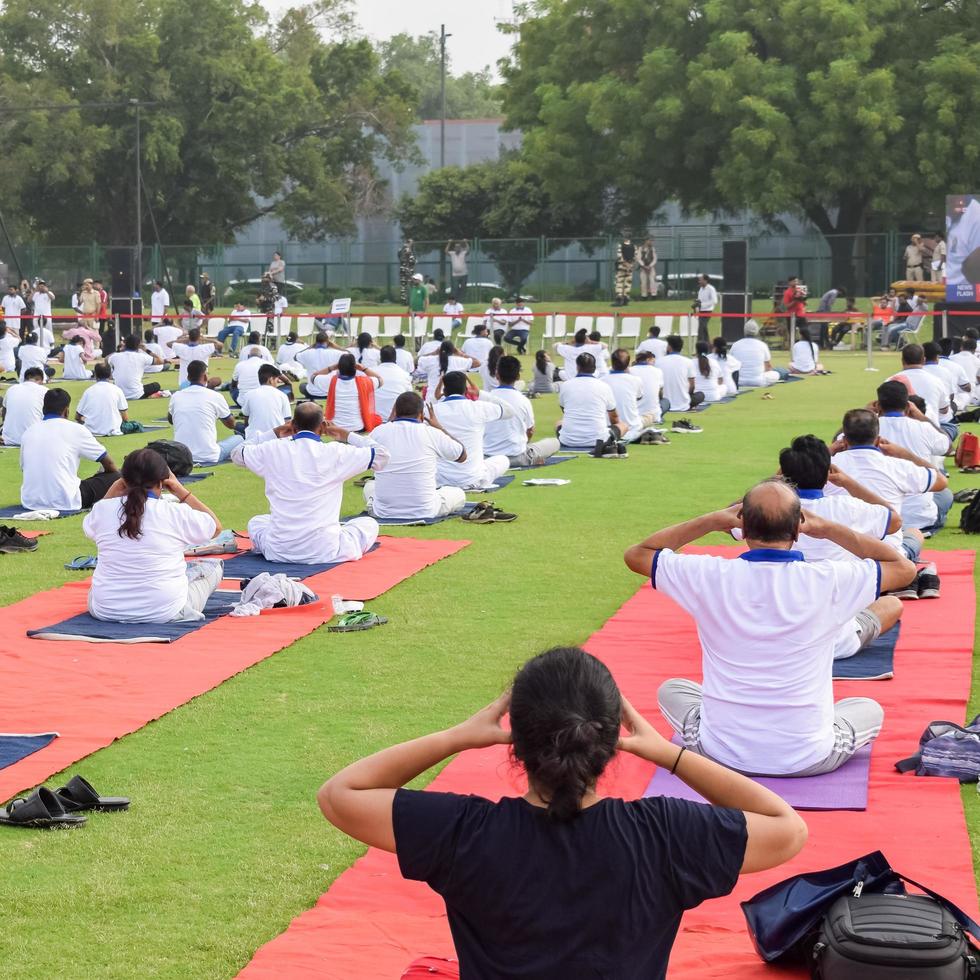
224,843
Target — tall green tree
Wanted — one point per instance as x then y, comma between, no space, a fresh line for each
470,95
837,110
252,118
501,202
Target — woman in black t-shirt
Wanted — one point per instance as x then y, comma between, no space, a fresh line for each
560,882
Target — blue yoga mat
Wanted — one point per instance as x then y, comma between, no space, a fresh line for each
13,748
876,662
88,628
412,521
207,466
9,512
194,477
499,484
253,563
553,461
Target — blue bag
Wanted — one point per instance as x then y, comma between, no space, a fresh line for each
947,749
783,919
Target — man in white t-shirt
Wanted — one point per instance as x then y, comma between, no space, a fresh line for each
74,358
929,386
479,345
22,406
706,302
956,385
395,381
496,319
50,451
304,484
42,298
901,423
678,372
589,417
194,410
254,345
521,321
193,350
581,345
831,494
265,407
159,303
102,409
653,343
403,357
628,390
128,367
466,421
13,312
888,470
511,437
322,355
755,358
157,350
166,334
768,633
407,489
967,359
651,377
34,353
454,308
245,377
286,353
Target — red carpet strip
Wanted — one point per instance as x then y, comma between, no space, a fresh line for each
93,694
372,923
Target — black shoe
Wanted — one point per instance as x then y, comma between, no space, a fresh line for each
927,583
11,540
685,425
600,448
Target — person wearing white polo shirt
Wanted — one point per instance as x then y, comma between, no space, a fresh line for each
831,494
166,334
288,351
706,302
589,416
581,345
41,299
14,309
768,622
967,359
929,386
708,377
239,323
351,390
466,421
74,358
194,410
755,359
479,345
245,377
103,408
430,346
901,423
34,353
496,319
511,437
454,308
436,366
395,382
804,358
679,374
653,343
304,484
407,489
961,382
128,366
888,470
728,365
265,407
22,406
521,322
323,354
653,402
254,345
628,390
403,357
159,303
157,350
193,350
50,451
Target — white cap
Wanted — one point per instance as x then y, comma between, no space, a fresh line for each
417,277
751,328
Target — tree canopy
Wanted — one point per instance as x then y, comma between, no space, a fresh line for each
252,118
837,110
470,95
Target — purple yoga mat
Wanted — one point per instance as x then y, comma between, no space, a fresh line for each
844,789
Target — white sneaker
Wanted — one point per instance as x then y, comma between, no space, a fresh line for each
842,346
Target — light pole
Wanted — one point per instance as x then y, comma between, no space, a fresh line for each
442,94
139,209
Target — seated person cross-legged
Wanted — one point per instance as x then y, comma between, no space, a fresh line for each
351,389
141,575
768,633
554,882
408,487
304,483
511,437
194,410
589,416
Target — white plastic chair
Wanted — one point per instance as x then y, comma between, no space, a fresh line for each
443,323
469,323
555,327
629,329
355,326
666,324
285,326
391,326
606,325
370,324
215,325
583,323
305,326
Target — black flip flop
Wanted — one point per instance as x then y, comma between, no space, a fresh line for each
80,794
42,809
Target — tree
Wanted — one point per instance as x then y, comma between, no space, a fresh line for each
251,119
836,110
472,95
501,202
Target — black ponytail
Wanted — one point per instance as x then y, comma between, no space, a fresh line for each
493,358
721,347
704,365
565,718
541,362
142,471
446,350
363,343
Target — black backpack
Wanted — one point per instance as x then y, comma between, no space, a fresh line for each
970,516
888,937
177,455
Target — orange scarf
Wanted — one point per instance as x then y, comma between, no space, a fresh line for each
365,399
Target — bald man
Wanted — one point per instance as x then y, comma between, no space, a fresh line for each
768,621
304,483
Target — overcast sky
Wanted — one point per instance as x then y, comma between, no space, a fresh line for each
475,42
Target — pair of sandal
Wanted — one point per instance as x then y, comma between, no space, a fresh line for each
486,512
354,622
45,809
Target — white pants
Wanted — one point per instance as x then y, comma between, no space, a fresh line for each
536,453
494,467
203,577
768,378
356,537
648,281
451,500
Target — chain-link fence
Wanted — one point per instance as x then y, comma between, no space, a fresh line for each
541,269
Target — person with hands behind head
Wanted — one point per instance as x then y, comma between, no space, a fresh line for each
141,536
768,634
561,882
350,394
304,484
